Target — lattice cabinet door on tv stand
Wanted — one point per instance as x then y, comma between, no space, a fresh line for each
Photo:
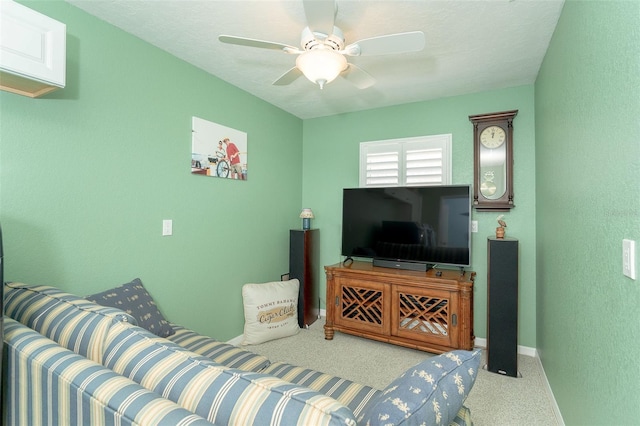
431,311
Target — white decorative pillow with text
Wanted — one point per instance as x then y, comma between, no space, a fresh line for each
270,311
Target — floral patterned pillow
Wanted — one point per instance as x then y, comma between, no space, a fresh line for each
429,393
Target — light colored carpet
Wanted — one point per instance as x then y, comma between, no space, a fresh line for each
494,399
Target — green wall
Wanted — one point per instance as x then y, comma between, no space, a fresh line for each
588,200
89,172
330,163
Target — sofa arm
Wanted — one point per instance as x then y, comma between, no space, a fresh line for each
432,392
84,391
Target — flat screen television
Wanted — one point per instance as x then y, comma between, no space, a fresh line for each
413,227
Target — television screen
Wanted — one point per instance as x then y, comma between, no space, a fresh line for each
426,224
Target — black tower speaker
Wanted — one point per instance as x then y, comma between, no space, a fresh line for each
502,306
303,265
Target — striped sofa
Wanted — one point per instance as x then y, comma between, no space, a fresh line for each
70,361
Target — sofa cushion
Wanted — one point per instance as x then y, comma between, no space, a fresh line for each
431,392
74,323
134,299
222,353
58,387
354,395
219,394
270,311
463,418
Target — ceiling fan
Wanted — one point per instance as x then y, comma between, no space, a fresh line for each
322,53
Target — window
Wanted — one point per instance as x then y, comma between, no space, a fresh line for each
423,160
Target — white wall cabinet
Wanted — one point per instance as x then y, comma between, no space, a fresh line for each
32,51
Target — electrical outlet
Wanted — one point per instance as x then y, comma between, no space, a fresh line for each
629,258
474,226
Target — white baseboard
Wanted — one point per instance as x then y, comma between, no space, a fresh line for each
236,341
552,398
522,350
533,352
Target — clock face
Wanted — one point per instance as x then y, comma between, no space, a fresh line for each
492,137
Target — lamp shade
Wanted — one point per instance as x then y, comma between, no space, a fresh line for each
321,65
306,214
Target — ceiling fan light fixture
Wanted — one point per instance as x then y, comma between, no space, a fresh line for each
321,65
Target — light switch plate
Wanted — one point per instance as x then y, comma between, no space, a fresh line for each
629,258
167,227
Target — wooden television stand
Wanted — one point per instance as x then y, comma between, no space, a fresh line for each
431,311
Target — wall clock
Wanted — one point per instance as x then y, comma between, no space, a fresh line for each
493,160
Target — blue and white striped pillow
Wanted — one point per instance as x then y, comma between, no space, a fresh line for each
74,323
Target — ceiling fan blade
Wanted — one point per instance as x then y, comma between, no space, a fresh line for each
382,45
251,42
288,77
358,77
320,15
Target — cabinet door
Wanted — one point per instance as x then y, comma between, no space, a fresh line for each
425,315
32,50
362,305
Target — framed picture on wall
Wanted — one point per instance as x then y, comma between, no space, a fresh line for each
218,151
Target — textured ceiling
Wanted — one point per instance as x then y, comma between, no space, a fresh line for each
471,46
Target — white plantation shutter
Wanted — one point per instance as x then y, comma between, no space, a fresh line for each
424,160
382,165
